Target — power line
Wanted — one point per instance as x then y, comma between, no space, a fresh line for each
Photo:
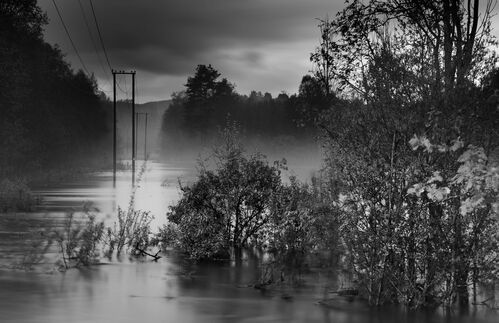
69,36
100,35
94,45
73,43
121,89
74,47
126,87
92,39
102,43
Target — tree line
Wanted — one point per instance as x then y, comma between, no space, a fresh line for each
209,101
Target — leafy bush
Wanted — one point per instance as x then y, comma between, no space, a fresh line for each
79,240
242,202
131,232
167,236
227,206
302,227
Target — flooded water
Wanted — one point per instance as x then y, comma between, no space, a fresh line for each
156,188
172,289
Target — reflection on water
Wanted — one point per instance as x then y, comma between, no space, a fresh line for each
174,290
168,291
155,191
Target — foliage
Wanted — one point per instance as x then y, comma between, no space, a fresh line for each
132,232
203,95
312,101
451,38
49,112
229,205
240,201
167,237
79,240
323,58
202,109
412,221
304,224
468,197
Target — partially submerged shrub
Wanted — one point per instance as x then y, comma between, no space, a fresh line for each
167,237
242,202
302,227
131,231
15,195
229,204
79,240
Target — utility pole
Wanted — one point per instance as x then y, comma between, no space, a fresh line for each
145,139
145,131
133,124
114,129
133,128
137,123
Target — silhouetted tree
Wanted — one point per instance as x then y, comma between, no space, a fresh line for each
205,94
207,103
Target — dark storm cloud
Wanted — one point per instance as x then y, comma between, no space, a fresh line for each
163,36
250,39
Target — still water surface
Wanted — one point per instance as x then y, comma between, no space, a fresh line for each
156,189
172,289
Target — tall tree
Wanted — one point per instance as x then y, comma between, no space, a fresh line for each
408,68
323,57
47,109
204,93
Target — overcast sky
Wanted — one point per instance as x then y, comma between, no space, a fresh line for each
261,45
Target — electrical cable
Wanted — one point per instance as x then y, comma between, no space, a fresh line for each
100,35
102,43
70,39
119,88
92,40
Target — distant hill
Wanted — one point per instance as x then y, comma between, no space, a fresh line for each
154,108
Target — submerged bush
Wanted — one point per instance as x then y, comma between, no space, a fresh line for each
79,240
131,232
229,204
242,202
167,237
15,195
303,228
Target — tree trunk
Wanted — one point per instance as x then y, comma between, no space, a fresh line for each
435,214
461,269
461,279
